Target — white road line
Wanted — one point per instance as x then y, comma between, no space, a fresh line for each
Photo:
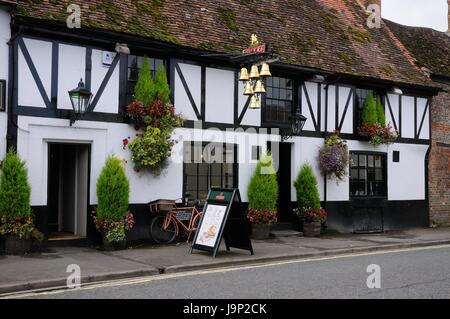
141,280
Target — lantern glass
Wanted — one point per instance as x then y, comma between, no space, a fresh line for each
80,98
297,123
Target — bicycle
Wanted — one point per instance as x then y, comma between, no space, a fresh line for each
165,228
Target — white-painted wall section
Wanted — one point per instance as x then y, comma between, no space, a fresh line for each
109,100
71,68
219,105
5,35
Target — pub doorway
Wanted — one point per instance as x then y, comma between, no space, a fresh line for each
68,190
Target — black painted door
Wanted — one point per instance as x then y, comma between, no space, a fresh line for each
281,153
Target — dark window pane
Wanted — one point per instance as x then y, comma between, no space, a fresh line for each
362,160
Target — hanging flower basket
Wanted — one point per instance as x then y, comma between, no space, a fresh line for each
378,134
333,157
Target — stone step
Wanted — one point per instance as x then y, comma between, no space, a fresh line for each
286,233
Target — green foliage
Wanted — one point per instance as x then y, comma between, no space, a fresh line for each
307,193
14,188
162,89
113,191
145,88
263,187
149,150
227,16
369,113
381,117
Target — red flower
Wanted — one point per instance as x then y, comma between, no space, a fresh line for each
125,143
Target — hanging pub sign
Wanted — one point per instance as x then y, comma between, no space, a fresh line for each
222,218
260,48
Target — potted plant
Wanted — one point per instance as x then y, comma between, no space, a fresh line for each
112,217
154,119
16,222
262,198
308,201
333,157
374,125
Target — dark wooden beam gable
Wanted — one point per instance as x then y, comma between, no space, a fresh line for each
104,83
308,101
34,72
344,113
188,92
423,118
394,122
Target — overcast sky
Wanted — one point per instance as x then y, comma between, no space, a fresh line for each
421,13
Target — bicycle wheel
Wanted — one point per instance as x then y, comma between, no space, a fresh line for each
161,235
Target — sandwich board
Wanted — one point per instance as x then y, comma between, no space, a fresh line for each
222,218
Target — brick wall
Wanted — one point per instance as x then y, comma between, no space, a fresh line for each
439,162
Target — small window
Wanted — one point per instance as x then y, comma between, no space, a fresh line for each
2,95
367,175
208,165
279,98
134,65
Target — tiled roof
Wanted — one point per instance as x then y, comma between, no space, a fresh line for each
327,34
8,2
431,48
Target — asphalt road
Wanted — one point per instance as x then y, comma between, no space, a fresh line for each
418,273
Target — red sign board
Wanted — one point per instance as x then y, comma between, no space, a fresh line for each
261,48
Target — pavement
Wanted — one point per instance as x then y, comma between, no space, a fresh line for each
47,267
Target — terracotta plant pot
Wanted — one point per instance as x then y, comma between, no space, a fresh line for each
16,246
312,229
107,246
260,231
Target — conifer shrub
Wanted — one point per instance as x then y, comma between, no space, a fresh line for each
113,191
14,188
308,197
162,89
112,216
15,211
145,88
369,113
262,192
381,117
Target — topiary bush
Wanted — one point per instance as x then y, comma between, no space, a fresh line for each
263,187
307,192
162,89
113,191
369,112
14,188
145,89
381,117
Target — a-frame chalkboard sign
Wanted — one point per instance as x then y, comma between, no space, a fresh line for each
222,218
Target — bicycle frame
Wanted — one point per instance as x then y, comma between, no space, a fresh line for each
172,216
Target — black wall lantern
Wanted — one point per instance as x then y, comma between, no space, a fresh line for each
80,98
297,121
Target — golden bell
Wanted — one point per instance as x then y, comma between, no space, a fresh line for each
265,70
254,73
244,75
248,88
259,87
254,103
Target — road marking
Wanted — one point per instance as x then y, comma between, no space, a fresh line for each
146,279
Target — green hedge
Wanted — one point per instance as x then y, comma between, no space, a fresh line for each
263,187
145,88
369,112
307,192
113,191
14,188
380,113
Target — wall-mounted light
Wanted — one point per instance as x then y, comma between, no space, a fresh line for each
396,90
80,97
317,78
